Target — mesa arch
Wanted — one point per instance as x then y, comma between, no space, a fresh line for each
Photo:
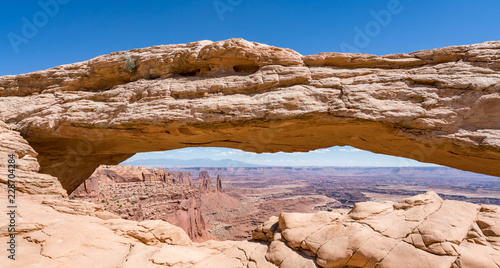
440,106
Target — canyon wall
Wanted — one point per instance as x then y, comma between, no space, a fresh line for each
138,193
119,174
438,106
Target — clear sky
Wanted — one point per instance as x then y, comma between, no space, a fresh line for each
333,156
36,35
82,29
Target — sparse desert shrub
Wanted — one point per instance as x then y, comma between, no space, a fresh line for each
130,64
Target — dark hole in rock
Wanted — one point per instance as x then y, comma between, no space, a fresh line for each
190,73
246,68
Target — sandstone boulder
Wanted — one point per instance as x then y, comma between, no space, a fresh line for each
421,231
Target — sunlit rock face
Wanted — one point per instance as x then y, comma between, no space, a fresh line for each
139,193
421,231
439,106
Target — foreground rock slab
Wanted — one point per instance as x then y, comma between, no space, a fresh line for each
421,231
439,106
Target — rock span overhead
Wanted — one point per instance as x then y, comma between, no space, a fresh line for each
439,106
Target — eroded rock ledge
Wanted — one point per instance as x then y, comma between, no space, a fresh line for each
438,106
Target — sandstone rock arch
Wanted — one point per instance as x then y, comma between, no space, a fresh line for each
440,106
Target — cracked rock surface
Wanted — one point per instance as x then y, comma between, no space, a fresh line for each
421,231
438,106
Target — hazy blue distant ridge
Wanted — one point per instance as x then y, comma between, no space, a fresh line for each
199,162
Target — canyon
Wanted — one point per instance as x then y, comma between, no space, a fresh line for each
253,194
438,106
139,194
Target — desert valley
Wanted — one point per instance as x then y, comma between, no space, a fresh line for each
229,203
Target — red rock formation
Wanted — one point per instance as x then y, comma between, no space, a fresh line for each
89,188
138,193
182,178
206,182
141,174
218,184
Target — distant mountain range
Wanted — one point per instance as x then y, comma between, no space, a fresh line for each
199,162
336,170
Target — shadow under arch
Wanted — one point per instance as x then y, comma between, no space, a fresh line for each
76,151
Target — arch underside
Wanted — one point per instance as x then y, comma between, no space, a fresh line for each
76,159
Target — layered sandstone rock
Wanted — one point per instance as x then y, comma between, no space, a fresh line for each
53,231
138,193
27,178
421,231
438,106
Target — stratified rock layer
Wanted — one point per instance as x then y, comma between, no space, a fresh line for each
439,106
123,174
139,193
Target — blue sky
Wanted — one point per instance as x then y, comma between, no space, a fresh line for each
36,35
82,29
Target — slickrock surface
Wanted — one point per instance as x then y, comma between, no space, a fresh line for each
438,106
138,193
421,231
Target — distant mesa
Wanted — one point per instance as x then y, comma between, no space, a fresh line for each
118,174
